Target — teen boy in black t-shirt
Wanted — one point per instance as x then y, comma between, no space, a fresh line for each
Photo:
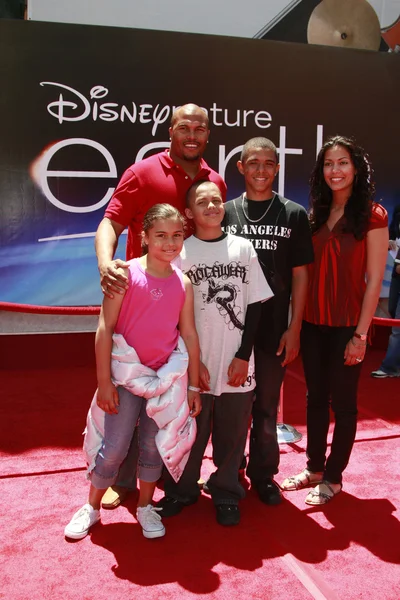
280,233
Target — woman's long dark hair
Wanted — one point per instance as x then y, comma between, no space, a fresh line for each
358,209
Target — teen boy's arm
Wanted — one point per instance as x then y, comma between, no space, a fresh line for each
290,340
187,329
302,253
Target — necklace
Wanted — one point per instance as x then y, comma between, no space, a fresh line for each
263,215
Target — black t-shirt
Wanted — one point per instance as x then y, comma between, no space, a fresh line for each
281,235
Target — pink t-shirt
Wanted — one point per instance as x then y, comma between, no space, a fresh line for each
149,314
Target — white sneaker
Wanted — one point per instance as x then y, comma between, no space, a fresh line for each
150,521
81,522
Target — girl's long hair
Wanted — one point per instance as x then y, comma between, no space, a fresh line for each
156,212
358,209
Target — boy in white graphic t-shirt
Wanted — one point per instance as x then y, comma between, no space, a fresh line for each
229,287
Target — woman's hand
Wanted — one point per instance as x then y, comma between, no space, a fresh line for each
354,352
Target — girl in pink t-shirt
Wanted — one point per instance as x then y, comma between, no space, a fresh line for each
159,299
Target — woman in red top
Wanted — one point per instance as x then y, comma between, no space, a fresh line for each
350,238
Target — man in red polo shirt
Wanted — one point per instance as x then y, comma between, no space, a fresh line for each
163,177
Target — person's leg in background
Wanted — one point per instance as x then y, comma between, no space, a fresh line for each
229,433
390,366
264,449
394,296
186,491
391,362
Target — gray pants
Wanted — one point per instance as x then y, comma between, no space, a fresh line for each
226,418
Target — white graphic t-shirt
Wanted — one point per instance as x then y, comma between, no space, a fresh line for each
226,278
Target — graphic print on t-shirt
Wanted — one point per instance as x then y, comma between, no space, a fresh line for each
220,291
156,293
226,278
255,234
281,236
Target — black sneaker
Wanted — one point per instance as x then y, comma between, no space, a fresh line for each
171,506
228,514
268,491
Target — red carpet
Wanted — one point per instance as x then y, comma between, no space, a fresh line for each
347,550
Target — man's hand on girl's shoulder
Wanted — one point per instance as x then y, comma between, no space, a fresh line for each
113,278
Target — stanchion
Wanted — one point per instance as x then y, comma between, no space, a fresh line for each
287,434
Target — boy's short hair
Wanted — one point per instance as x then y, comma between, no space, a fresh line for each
258,143
194,187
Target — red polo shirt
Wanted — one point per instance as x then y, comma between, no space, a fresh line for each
336,283
154,180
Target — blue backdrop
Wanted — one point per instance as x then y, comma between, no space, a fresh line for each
79,104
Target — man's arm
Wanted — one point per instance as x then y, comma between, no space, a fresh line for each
112,278
290,340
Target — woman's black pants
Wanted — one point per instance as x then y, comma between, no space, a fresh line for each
330,383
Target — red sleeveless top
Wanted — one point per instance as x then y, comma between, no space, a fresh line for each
336,283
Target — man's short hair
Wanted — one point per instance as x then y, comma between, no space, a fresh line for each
190,108
256,144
